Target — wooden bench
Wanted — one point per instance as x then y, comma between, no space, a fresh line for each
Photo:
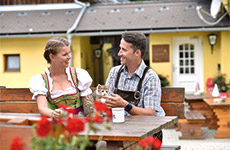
189,122
172,101
190,127
17,100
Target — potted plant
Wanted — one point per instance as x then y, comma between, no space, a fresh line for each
223,86
164,80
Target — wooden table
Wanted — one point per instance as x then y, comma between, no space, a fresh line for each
222,111
196,103
132,130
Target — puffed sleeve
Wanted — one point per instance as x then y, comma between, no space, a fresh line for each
37,86
84,82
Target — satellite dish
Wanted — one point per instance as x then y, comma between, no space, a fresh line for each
215,7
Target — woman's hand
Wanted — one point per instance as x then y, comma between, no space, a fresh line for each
45,110
56,114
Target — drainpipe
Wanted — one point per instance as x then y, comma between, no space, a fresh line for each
74,26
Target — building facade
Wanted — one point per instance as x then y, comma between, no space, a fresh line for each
178,43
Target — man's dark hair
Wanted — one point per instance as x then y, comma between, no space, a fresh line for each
137,39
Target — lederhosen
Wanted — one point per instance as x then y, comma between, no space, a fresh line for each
133,96
130,96
72,100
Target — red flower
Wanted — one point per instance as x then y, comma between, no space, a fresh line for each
66,108
151,142
43,127
142,144
70,110
75,125
108,113
16,144
97,118
63,106
88,119
99,106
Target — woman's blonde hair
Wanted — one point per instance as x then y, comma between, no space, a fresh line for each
53,45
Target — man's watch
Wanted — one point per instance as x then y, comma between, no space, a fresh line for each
128,107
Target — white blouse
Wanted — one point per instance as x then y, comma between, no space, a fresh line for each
37,84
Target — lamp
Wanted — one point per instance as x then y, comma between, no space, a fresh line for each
97,53
212,40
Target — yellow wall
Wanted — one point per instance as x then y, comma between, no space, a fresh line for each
225,53
31,60
107,60
76,52
226,4
210,61
163,68
83,56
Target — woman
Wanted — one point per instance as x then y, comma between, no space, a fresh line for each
60,84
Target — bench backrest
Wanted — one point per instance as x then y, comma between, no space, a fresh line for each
172,101
17,100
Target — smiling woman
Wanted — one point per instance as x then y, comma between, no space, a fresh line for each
59,84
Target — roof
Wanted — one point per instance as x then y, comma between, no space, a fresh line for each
33,20
151,16
148,15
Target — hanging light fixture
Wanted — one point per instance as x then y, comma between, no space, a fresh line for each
212,40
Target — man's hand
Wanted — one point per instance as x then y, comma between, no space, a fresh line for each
114,100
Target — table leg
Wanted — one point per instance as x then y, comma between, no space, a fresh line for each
223,115
213,122
114,145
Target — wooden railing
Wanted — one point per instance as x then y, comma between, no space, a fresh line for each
17,100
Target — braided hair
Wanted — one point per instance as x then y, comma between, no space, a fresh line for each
53,45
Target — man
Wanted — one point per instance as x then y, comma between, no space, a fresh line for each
133,85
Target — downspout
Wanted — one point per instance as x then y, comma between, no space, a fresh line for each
74,26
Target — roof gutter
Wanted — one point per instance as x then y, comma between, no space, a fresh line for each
74,26
103,33
149,31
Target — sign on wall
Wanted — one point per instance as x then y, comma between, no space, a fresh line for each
160,53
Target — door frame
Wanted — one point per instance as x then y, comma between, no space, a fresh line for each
198,58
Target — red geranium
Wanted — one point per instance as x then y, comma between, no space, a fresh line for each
16,144
99,106
151,142
97,118
43,127
88,119
108,112
75,125
70,110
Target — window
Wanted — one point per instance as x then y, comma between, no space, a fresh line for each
12,63
186,58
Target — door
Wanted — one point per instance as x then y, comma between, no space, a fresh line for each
188,63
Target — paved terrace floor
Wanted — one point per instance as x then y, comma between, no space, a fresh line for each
171,137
